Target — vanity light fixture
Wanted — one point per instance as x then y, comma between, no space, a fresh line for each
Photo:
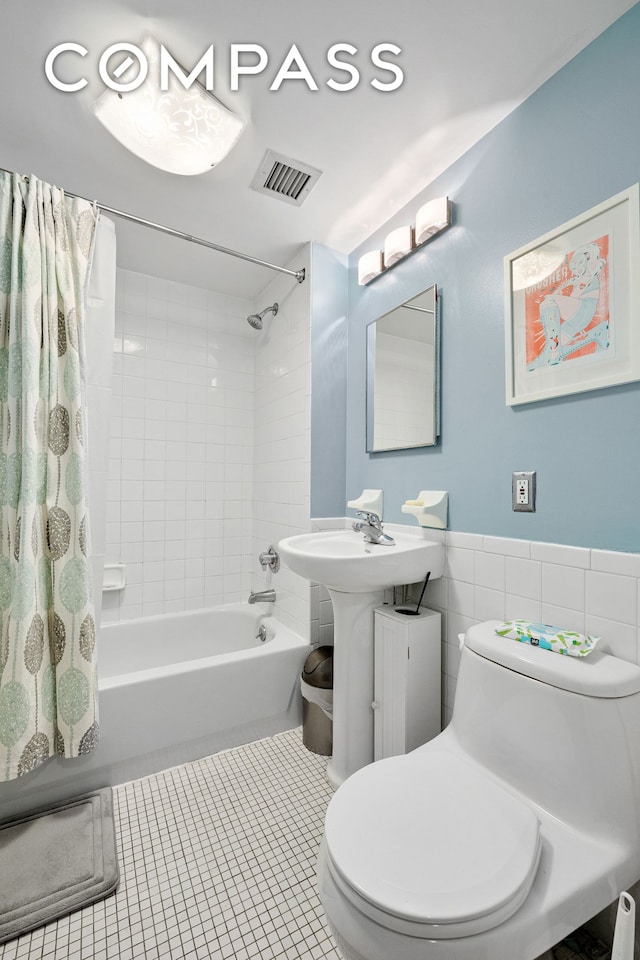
183,131
369,266
397,245
431,218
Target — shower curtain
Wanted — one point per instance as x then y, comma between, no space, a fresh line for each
48,684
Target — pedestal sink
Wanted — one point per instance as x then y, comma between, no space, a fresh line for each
356,573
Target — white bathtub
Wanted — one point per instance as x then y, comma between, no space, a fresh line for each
174,688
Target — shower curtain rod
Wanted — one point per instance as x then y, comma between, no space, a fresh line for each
298,274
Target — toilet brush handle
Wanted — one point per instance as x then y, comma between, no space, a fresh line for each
624,934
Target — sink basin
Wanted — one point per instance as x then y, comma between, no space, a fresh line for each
342,560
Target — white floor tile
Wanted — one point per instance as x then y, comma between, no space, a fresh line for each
217,859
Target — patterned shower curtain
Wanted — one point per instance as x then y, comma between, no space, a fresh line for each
48,682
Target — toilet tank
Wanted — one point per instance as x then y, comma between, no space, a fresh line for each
564,731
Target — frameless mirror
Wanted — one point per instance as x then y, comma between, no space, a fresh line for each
402,376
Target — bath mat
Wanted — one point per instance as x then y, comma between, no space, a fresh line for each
55,861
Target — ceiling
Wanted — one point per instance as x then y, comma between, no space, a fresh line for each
466,65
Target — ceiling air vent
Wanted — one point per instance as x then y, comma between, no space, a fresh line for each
285,178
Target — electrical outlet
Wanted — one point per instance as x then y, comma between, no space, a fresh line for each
523,491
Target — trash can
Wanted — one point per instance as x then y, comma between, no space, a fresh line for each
316,684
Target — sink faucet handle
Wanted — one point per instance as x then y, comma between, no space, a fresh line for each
370,517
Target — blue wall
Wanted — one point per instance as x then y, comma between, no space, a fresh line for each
328,380
572,144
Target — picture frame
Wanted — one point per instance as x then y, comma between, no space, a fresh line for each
571,302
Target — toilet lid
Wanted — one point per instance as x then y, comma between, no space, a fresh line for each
429,838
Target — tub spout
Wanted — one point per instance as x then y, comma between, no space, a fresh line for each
262,596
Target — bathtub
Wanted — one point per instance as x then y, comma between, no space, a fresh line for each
175,688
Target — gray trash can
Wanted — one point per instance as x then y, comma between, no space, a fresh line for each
316,685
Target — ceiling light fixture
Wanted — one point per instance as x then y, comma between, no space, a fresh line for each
431,219
183,131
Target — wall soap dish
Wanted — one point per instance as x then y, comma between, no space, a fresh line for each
429,508
114,577
369,500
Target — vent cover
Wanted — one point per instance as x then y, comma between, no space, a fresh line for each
285,178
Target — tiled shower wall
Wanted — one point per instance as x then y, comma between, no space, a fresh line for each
281,475
181,458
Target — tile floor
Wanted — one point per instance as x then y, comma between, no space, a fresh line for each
217,862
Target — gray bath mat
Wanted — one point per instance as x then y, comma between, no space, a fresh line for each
55,861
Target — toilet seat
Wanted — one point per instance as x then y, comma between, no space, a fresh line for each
428,845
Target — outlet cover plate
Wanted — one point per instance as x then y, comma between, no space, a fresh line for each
530,476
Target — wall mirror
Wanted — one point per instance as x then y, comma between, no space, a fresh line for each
403,376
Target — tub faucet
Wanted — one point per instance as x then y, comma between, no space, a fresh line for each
371,527
262,596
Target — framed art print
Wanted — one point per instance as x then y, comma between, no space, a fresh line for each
572,319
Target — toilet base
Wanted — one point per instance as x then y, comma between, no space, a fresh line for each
585,875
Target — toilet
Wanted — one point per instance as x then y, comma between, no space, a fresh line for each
507,831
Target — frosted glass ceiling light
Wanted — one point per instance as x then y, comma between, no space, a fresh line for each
182,131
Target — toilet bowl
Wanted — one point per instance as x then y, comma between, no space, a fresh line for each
504,833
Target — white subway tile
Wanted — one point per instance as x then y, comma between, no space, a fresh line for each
153,592
326,612
451,658
131,532
184,549
174,589
562,617
609,561
612,596
522,608
563,585
131,511
154,530
461,598
619,639
507,546
561,554
459,564
153,571
457,624
449,691
131,552
325,634
132,594
489,604
524,577
436,595
470,541
489,570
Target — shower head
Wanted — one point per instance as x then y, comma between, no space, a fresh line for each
255,320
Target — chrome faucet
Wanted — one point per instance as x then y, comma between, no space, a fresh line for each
262,596
371,527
